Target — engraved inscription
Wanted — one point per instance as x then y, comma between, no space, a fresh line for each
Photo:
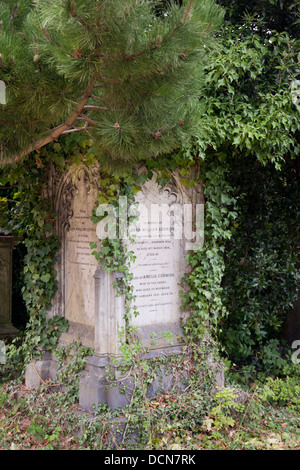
80,264
159,263
155,280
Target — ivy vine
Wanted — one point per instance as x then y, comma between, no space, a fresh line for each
202,295
113,254
27,214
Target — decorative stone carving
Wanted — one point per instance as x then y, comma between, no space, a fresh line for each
74,196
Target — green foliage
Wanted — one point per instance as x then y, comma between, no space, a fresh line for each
28,215
13,368
261,275
284,391
71,362
25,212
203,298
139,74
39,288
241,284
226,405
117,193
249,105
192,419
251,119
278,15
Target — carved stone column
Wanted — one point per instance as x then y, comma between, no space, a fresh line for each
6,246
109,313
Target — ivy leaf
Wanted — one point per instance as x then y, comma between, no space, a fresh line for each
207,294
135,189
46,277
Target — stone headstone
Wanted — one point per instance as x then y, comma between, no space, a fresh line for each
75,199
160,247
80,264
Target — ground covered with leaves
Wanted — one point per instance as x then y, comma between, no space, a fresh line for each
253,416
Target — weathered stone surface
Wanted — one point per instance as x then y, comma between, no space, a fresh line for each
38,371
160,247
80,264
74,196
95,388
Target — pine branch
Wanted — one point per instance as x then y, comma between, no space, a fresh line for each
109,80
76,129
139,57
87,119
101,98
188,11
184,19
105,100
100,108
57,131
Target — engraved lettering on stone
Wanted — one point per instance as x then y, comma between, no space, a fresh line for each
79,261
159,263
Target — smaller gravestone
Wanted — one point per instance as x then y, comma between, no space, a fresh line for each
6,326
2,93
80,264
74,195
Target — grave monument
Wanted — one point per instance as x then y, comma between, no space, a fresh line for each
86,295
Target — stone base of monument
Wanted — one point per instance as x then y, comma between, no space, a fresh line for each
8,330
95,386
95,389
38,371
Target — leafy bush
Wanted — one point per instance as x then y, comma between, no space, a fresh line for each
284,392
261,275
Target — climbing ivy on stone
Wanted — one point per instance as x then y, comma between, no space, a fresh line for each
202,296
28,216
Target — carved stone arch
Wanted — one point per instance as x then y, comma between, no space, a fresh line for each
63,189
63,204
178,195
175,191
87,175
184,194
